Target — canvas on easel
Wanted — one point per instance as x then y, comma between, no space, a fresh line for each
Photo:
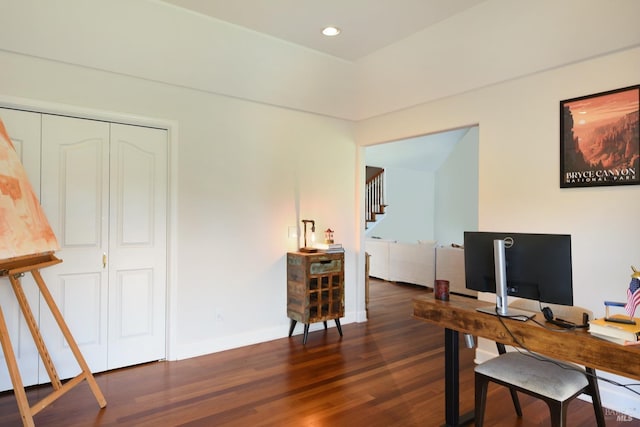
27,244
24,229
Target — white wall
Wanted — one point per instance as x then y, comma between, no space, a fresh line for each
456,191
440,205
245,173
495,41
160,42
519,174
410,214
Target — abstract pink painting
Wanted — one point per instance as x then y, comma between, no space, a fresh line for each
24,228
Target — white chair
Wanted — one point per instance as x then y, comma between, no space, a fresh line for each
555,382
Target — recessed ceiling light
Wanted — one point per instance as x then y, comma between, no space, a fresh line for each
331,31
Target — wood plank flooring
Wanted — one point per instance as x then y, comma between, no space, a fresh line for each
385,372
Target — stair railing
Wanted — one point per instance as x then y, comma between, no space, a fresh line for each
374,197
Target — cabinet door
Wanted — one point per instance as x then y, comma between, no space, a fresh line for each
75,196
24,130
137,245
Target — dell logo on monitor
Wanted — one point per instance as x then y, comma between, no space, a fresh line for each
508,242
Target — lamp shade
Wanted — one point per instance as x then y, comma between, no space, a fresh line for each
24,228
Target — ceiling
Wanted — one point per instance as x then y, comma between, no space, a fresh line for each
421,153
367,25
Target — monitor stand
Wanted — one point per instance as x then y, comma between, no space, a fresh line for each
502,304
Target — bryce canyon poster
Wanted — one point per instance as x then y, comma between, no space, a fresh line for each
599,135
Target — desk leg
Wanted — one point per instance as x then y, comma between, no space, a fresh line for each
451,377
452,381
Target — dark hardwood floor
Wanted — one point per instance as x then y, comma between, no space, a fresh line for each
385,372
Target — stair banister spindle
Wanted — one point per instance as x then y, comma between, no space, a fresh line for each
374,196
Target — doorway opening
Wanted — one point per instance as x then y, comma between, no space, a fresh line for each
431,198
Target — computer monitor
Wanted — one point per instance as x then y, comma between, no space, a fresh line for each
535,266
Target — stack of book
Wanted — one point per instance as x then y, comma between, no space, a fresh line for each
616,330
329,247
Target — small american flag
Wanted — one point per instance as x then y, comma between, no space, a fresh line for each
633,296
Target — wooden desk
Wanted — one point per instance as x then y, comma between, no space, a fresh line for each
459,315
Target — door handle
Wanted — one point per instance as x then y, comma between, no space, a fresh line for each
104,260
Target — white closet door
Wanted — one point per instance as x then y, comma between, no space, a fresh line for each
75,192
103,188
137,255
24,131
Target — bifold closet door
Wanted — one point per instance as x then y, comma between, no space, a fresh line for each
137,256
105,193
24,130
103,187
75,198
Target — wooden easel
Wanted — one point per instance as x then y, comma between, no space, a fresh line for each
15,268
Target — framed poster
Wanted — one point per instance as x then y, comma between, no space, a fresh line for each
599,139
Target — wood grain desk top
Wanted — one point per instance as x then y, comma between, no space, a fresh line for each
459,313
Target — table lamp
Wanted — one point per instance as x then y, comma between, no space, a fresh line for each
306,248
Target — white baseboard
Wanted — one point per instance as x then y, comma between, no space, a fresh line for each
229,342
618,400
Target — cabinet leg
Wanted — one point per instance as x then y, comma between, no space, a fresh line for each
338,326
292,326
306,333
325,324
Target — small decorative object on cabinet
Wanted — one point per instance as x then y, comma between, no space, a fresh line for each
328,235
315,289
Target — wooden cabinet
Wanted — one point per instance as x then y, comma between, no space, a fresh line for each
315,289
